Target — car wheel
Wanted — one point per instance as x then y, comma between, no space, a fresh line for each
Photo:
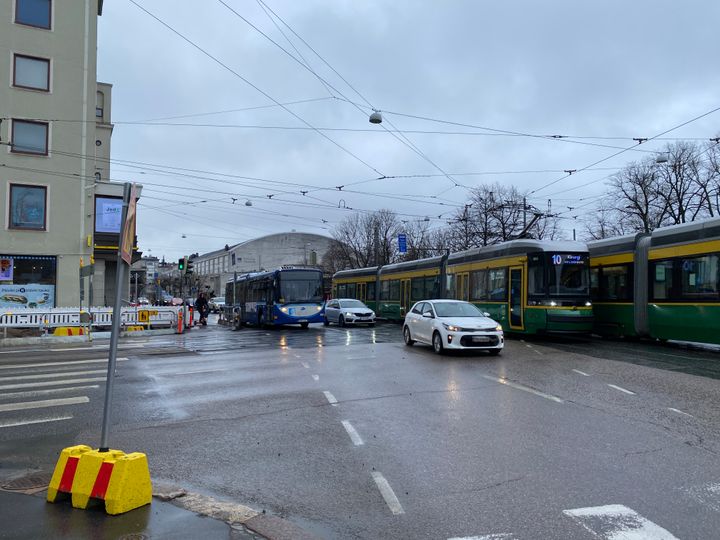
325,321
437,343
409,341
341,322
494,352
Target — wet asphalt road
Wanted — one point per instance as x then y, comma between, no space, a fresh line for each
353,435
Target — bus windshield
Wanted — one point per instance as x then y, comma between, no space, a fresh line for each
301,287
569,275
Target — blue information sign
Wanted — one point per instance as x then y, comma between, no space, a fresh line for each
402,243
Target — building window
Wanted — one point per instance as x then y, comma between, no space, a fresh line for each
29,137
31,72
27,281
28,206
99,104
35,13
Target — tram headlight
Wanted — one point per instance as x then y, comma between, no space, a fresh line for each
588,303
553,303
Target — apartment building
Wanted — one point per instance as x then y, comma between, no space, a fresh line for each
59,210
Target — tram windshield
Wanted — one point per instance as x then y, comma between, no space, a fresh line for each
300,286
568,275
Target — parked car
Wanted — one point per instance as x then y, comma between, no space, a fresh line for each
216,304
452,324
344,311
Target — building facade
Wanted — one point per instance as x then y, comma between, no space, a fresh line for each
56,200
212,270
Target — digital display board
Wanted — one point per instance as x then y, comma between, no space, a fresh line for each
108,214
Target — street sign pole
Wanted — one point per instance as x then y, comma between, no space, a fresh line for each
117,310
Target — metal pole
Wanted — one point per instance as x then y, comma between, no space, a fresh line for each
117,313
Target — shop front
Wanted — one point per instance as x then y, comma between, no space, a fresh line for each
27,281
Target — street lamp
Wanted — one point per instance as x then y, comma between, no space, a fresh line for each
376,117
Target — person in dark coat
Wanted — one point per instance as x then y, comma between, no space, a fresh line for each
203,308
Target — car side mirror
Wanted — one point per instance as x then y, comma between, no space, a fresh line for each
486,314
428,315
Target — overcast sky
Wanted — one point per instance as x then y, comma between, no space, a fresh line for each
602,72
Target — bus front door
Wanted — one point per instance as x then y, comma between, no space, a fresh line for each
516,304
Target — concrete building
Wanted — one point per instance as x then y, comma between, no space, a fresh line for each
212,270
58,207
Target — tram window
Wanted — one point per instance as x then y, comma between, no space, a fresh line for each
431,284
417,289
595,283
662,274
536,276
394,290
449,286
497,284
350,290
384,290
615,283
700,277
370,293
478,285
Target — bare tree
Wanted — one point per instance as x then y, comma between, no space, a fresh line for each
683,185
363,239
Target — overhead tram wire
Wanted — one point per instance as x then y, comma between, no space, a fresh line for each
254,86
627,149
406,142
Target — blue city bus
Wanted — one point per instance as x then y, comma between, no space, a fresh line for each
284,296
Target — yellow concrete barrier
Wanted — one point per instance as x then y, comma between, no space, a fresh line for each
134,328
121,480
69,331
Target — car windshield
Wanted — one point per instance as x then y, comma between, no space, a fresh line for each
456,309
352,304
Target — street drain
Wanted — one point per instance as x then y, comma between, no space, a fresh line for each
33,481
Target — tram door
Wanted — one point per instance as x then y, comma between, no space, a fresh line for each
361,291
404,296
516,305
462,287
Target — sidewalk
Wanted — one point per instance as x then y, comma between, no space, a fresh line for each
30,517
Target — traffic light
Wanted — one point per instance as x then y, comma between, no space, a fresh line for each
188,267
181,265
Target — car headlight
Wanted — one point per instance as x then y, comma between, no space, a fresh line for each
498,328
348,314
452,328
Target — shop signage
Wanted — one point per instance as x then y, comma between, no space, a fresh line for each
30,296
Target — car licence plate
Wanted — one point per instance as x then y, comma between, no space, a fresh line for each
480,339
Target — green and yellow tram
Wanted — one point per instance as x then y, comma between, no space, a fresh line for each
663,285
529,286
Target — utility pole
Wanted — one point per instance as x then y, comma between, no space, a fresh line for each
376,241
524,213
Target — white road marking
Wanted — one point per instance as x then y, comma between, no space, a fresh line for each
316,377
38,393
208,353
20,351
388,494
354,435
100,347
42,404
331,399
680,412
497,536
13,423
621,389
50,383
195,372
53,375
581,373
618,522
707,494
52,364
306,365
524,388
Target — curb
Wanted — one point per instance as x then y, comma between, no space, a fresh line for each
235,515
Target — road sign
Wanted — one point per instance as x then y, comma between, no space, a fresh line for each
402,243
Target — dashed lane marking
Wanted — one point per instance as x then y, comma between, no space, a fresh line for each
38,393
524,388
497,536
387,493
196,372
581,373
331,399
680,412
53,375
53,364
50,383
305,365
44,403
14,423
621,389
316,377
618,522
354,435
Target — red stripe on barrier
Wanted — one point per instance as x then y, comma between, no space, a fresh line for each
102,481
68,476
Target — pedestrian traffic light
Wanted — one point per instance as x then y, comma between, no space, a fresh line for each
188,267
181,265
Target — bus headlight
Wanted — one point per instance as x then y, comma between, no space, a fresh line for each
284,309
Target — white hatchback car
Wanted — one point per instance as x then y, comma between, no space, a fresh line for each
344,311
452,324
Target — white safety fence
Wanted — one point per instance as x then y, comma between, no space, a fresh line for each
45,319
